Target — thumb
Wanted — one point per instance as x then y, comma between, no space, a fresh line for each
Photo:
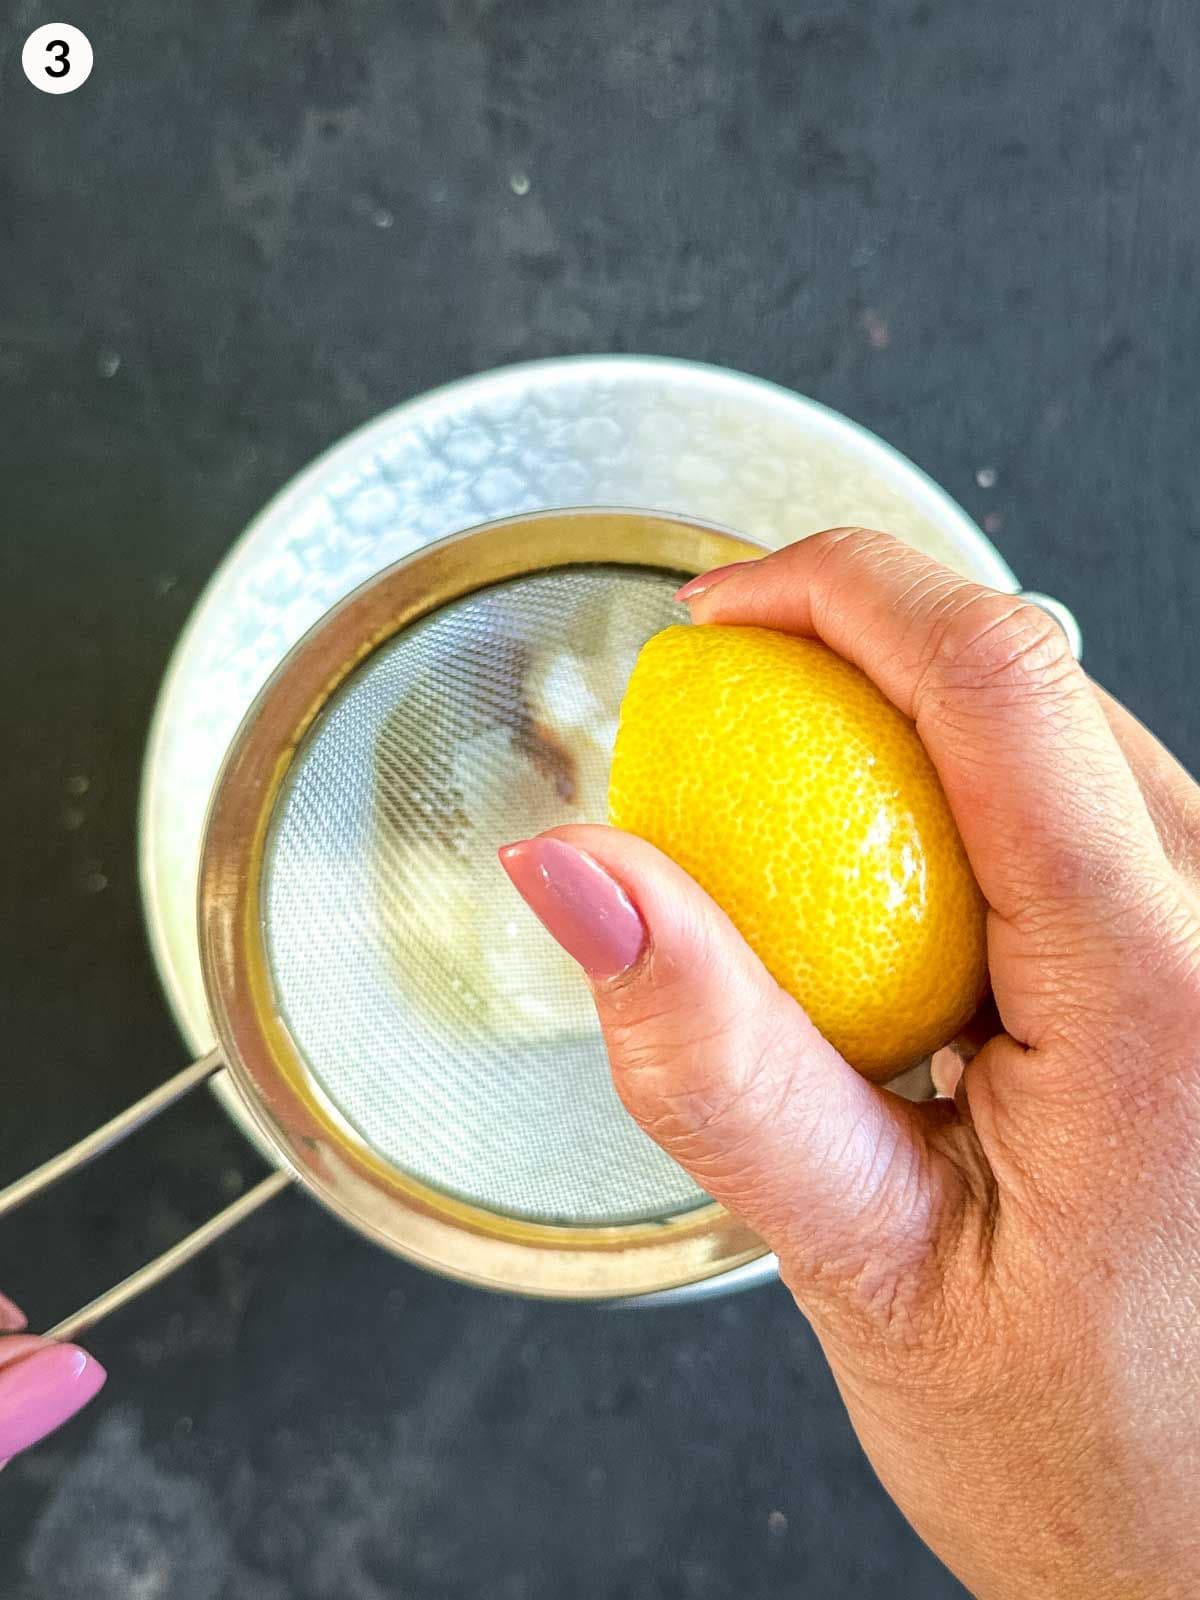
722,1068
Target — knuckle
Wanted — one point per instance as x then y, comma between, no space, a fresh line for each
995,644
847,547
705,1091
849,534
702,1080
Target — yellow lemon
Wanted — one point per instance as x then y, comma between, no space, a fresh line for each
795,793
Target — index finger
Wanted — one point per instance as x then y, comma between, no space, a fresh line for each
1048,808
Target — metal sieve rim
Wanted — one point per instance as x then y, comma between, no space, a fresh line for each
295,1117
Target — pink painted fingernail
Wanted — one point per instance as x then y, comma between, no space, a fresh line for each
12,1318
695,587
39,1393
584,908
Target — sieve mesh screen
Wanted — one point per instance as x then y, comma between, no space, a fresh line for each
431,1008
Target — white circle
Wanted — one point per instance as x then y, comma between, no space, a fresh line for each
57,58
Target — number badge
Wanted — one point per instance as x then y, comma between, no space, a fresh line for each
57,58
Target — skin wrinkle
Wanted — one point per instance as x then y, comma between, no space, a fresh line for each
965,1393
628,1032
1140,1021
1009,651
966,1248
828,548
903,1187
1012,1003
903,1191
698,1142
696,1149
937,592
937,586
957,1142
828,603
657,981
1111,920
701,1116
1055,719
999,689
935,580
1018,1180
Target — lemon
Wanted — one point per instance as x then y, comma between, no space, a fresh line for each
781,779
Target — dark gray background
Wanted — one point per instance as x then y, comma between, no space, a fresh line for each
972,227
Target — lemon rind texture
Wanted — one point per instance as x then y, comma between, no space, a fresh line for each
788,786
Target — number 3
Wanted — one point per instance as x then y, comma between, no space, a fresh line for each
63,58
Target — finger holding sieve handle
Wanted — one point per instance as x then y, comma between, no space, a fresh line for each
42,1383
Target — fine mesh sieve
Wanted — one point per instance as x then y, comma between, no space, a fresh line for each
406,1036
457,1039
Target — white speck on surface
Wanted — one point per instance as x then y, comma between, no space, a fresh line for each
108,363
95,883
164,583
382,217
519,183
777,1523
231,1181
72,818
77,784
875,329
986,477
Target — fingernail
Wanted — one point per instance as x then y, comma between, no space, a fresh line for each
38,1394
587,911
695,587
12,1318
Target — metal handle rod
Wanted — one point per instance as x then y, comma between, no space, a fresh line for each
154,1271
120,1127
113,1131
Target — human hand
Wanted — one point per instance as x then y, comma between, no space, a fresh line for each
41,1383
1007,1284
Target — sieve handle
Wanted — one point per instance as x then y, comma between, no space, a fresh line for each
112,1132
162,1266
104,1138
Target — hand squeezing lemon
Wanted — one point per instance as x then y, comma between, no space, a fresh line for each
802,800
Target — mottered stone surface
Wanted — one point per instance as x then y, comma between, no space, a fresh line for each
255,227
